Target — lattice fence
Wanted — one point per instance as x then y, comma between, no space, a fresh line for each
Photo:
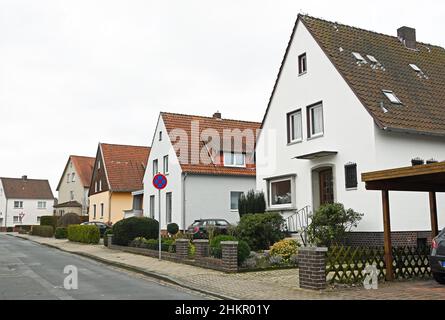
347,264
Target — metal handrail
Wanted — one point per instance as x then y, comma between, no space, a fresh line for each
299,222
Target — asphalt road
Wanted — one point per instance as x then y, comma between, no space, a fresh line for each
32,271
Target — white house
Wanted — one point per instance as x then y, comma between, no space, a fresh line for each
348,101
23,201
208,162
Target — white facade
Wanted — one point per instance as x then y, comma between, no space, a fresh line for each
31,209
192,196
349,131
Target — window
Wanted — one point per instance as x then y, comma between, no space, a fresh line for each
71,195
315,120
372,59
101,210
281,192
94,211
294,127
359,57
351,175
41,205
415,67
98,164
68,178
18,204
73,177
160,135
152,207
391,96
302,63
168,206
234,197
234,159
95,186
155,167
165,164
15,219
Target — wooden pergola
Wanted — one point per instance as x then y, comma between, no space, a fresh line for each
420,178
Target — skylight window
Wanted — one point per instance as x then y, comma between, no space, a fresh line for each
372,59
359,57
415,67
391,96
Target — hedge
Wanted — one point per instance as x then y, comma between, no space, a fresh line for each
61,233
49,221
243,247
83,234
126,230
172,228
68,219
43,231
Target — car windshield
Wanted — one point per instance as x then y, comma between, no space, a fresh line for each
221,223
196,223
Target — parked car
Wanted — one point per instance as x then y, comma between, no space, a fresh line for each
102,226
198,229
437,257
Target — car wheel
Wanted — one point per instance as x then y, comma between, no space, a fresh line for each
439,277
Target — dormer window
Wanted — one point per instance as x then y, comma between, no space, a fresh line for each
302,64
372,59
415,67
391,97
359,57
234,159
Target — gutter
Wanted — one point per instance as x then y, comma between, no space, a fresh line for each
411,131
183,200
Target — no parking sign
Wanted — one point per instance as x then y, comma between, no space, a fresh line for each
159,182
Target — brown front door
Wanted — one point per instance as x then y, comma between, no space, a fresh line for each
326,186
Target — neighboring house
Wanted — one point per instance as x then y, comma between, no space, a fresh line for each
205,178
74,185
23,201
118,171
348,101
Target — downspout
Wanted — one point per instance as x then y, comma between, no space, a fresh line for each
6,213
109,206
183,201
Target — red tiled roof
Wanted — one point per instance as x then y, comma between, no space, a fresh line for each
201,163
84,168
125,166
20,188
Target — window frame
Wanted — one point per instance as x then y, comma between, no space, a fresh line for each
41,207
168,207
160,135
20,202
388,94
73,177
290,127
233,157
155,172
165,164
302,58
281,205
152,205
94,211
230,200
310,120
101,210
351,166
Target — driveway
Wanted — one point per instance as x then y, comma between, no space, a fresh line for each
32,271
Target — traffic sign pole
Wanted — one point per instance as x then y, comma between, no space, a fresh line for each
159,182
159,195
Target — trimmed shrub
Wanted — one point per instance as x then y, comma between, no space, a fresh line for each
124,231
153,244
61,233
253,202
285,248
24,227
261,231
83,234
68,219
172,228
49,221
243,247
43,231
106,233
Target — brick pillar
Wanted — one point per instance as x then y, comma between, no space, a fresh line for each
202,248
110,240
312,267
182,248
230,255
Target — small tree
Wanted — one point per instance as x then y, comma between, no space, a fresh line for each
253,202
330,223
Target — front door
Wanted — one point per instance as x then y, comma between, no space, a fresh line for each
326,186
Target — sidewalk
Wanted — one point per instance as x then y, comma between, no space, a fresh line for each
264,285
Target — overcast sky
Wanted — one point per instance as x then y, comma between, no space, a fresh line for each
73,73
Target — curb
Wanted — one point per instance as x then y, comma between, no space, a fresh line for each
125,266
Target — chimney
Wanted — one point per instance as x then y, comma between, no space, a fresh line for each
217,115
407,36
417,161
430,161
24,177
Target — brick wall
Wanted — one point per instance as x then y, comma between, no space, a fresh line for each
312,268
398,238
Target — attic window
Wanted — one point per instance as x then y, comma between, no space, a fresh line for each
372,59
391,96
415,67
359,57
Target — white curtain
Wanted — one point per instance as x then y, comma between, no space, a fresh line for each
317,119
296,126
